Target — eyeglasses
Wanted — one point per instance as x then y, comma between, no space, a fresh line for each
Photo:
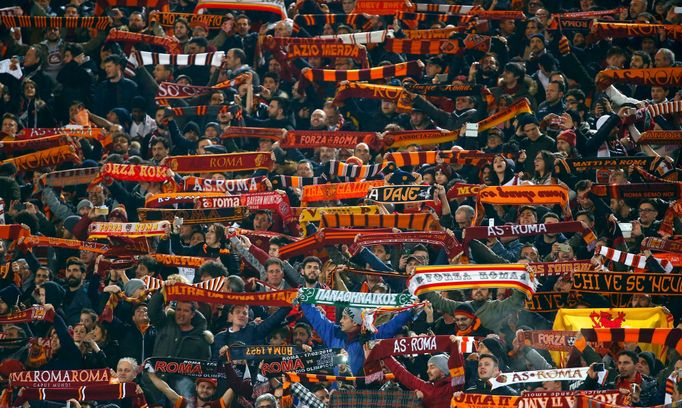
641,210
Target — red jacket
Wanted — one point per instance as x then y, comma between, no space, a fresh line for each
436,394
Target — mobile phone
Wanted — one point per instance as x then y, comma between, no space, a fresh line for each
598,367
442,78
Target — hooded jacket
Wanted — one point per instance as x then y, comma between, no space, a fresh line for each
436,394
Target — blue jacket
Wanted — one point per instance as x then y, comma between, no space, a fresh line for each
333,337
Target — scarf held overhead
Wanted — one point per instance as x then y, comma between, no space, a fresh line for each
338,191
188,293
128,229
315,296
59,378
45,158
180,366
669,76
439,278
171,44
193,216
217,163
419,222
400,194
439,238
411,68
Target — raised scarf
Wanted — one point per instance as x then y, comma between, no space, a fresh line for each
98,23
214,59
281,181
179,261
632,30
381,7
232,186
193,216
411,68
42,241
666,191
300,363
560,268
170,199
632,260
324,237
171,44
338,191
217,163
201,110
181,366
550,302
59,378
559,374
589,163
37,133
128,229
167,19
665,77
376,273
326,49
661,137
439,238
517,230
655,284
319,20
435,46
34,144
317,378
671,178
406,346
373,91
569,24
93,392
463,190
307,215
660,244
73,177
438,278
418,222
463,157
133,172
520,195
35,313
316,296
449,90
412,20
102,5
401,194
271,42
366,37
443,8
45,158
658,336
591,14
308,139
263,352
467,400
510,112
404,138
11,232
275,201
11,11
552,340
171,90
189,293
352,172
667,225
233,132
431,34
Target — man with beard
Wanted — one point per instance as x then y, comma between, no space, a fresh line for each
486,71
76,297
641,388
205,390
137,339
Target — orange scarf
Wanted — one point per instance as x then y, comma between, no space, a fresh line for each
650,76
518,107
338,191
419,222
45,158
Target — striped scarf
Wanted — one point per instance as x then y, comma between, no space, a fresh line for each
324,237
418,222
103,5
411,68
370,37
395,94
170,90
320,20
200,110
671,338
95,392
438,238
72,177
518,107
664,108
326,49
351,172
443,8
429,19
167,19
214,59
632,260
435,47
338,191
282,181
98,23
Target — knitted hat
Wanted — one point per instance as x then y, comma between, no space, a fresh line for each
212,381
441,362
401,177
10,295
54,294
70,222
132,285
354,313
465,309
119,212
567,136
495,348
84,203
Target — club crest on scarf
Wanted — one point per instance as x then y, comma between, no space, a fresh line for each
606,320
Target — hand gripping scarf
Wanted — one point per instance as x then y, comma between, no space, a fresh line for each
661,137
631,30
418,222
338,191
200,110
632,260
128,229
98,23
316,296
94,392
300,363
438,278
42,143
73,177
660,244
518,107
193,216
231,186
189,293
411,68
45,158
171,44
180,366
450,91
405,346
373,91
439,238
671,338
216,163
663,108
308,139
323,237
404,138
553,340
516,230
162,200
669,76
666,191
